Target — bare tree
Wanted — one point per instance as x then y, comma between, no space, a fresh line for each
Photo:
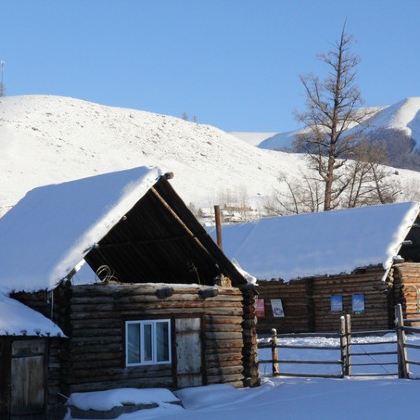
367,181
361,182
332,106
295,196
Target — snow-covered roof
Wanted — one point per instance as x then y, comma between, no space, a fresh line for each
18,319
43,238
326,243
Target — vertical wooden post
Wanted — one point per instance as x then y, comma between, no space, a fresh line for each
348,345
343,345
218,221
401,340
274,352
249,335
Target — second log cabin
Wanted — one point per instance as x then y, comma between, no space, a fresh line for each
312,268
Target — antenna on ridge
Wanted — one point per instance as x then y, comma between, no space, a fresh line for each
2,87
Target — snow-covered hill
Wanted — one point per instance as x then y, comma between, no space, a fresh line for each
47,139
284,140
404,116
396,127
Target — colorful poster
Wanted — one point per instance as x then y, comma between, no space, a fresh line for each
336,303
358,303
260,308
277,308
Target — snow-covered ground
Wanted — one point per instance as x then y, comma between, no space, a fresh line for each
297,399
304,398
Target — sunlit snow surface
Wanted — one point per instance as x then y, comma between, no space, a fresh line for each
52,228
312,244
301,398
18,319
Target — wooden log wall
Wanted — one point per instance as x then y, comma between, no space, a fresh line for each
93,318
407,289
96,349
249,331
306,302
368,282
295,304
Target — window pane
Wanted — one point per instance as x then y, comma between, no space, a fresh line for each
147,339
358,303
133,343
162,341
336,302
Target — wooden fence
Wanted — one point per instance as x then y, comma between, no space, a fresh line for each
348,357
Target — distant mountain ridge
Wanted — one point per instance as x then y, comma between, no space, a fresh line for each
396,126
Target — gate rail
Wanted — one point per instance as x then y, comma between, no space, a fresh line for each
348,357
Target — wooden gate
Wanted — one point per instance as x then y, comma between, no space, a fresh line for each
27,390
188,352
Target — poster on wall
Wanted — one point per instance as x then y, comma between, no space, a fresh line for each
358,303
277,308
336,303
260,308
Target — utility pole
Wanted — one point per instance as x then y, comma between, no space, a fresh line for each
2,87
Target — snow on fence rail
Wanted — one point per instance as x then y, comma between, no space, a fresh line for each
349,358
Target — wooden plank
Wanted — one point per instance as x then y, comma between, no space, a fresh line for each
309,375
374,364
372,353
412,346
188,352
373,374
304,362
373,343
372,332
402,352
411,329
28,385
304,335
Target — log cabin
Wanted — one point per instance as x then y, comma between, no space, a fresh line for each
312,268
120,286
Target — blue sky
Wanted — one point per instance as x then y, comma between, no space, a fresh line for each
232,63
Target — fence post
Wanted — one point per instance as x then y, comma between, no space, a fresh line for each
401,339
348,345
274,352
343,345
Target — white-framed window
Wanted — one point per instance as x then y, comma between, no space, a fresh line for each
147,342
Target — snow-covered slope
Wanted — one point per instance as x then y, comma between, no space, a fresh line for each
47,139
403,116
280,141
50,139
